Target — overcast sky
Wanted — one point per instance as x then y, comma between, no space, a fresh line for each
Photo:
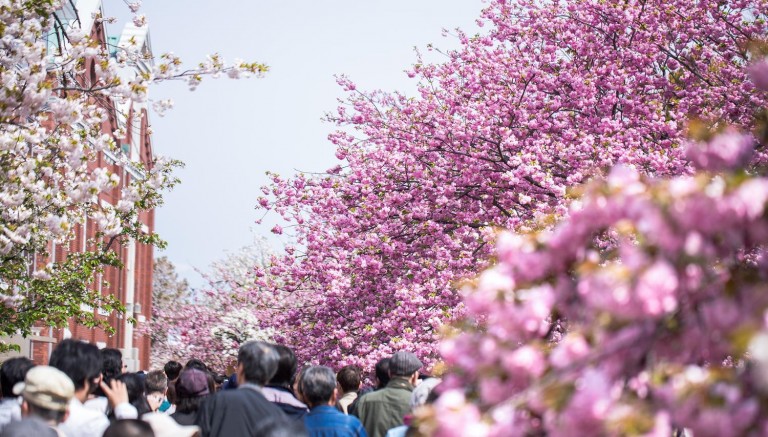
230,132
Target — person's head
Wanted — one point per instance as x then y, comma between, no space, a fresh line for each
318,386
155,385
349,379
404,364
129,428
12,372
382,372
256,363
81,362
111,363
111,367
134,384
219,380
46,392
286,366
425,392
156,382
194,363
191,390
172,370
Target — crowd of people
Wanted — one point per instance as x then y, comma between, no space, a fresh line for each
85,391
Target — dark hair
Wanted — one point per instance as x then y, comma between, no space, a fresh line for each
172,369
129,428
156,381
111,367
171,394
317,385
349,378
286,366
111,363
296,383
78,360
382,372
211,382
136,392
194,363
189,405
259,361
218,378
12,372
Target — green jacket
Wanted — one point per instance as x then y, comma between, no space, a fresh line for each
384,409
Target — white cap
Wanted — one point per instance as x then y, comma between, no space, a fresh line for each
46,387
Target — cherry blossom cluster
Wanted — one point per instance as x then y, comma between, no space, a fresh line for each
547,95
643,311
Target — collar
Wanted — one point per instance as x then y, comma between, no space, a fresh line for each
323,409
250,385
278,388
401,383
282,396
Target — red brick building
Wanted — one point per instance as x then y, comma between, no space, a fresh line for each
132,284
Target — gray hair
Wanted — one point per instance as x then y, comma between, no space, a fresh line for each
259,361
317,385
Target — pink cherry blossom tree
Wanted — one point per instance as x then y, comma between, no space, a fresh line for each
645,310
59,87
211,323
547,95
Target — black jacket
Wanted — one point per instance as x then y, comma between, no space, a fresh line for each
237,412
185,418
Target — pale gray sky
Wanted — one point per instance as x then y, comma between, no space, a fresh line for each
230,132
